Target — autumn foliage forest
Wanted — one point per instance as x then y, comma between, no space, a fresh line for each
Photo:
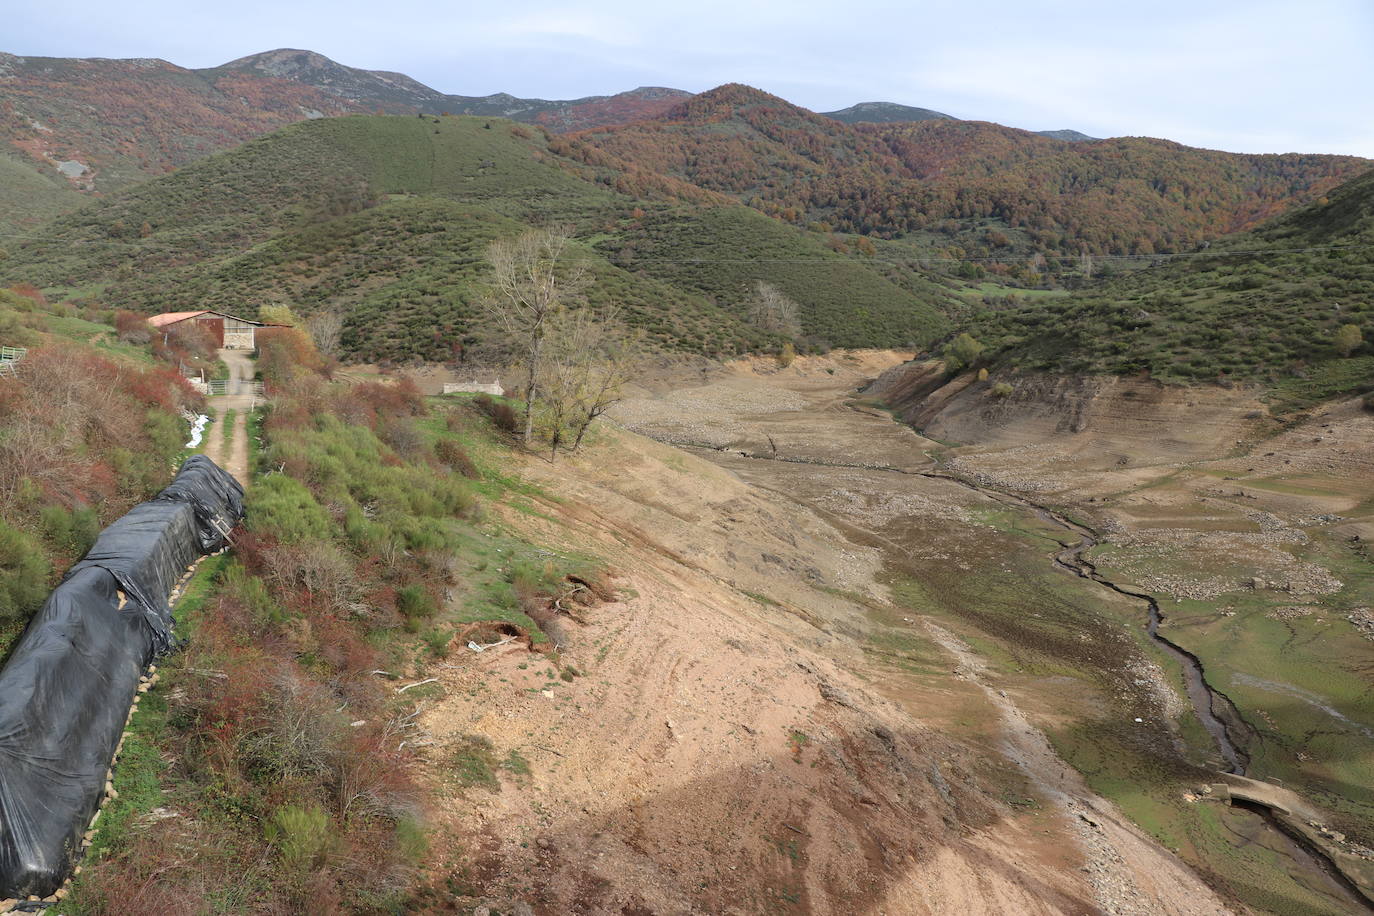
1125,196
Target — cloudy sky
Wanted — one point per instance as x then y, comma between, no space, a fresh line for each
1252,76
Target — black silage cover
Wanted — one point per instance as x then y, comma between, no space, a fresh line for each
66,689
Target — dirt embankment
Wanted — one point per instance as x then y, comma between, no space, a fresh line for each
1081,414
741,736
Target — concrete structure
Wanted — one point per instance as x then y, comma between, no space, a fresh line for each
231,332
459,387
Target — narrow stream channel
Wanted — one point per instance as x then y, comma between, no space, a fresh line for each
1215,710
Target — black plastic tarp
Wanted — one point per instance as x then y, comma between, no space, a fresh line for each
66,689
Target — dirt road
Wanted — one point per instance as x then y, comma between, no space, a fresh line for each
232,455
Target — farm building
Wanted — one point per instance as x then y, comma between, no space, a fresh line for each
231,332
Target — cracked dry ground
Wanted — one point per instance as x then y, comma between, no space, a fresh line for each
737,741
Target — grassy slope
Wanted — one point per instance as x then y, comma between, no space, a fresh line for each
29,197
1249,307
388,217
720,252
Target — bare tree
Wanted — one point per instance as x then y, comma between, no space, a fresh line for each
591,354
532,282
326,329
769,310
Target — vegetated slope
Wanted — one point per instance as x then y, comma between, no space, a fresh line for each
109,123
1124,196
721,252
88,428
1264,304
30,195
885,113
121,121
893,113
396,93
1072,136
388,218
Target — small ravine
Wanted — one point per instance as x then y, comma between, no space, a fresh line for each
1215,710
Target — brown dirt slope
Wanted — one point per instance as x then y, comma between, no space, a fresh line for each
728,746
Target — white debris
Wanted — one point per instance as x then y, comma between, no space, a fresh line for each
197,430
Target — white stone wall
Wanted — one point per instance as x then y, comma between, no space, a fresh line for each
457,387
238,339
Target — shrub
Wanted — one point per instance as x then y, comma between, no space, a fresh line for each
132,327
502,415
302,837
455,457
282,508
70,531
962,353
23,574
1348,339
414,603
1001,390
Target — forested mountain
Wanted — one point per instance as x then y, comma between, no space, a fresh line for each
973,189
387,218
963,180
396,93
1272,304
81,125
894,113
885,113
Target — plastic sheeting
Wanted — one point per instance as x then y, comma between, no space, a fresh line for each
66,690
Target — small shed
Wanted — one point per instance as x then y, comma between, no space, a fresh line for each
231,332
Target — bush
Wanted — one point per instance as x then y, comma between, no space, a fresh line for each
1001,390
962,353
455,457
502,415
302,836
282,508
23,574
414,603
132,327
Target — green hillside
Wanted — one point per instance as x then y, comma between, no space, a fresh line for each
28,197
1265,305
720,252
388,218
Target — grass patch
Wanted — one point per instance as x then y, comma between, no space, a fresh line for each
472,763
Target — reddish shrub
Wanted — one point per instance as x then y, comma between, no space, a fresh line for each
132,327
283,353
29,291
453,456
502,415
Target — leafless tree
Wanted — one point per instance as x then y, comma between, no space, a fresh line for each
533,281
326,329
769,310
591,355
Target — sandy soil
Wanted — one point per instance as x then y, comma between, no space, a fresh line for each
729,745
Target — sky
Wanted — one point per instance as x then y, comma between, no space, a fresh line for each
1253,76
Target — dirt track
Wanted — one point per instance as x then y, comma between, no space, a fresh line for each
233,455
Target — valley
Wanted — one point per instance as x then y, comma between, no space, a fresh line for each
1128,709
685,503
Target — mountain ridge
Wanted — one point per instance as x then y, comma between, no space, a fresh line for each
973,188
